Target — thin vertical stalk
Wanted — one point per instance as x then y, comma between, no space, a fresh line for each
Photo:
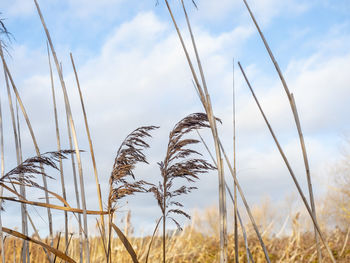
75,180
297,122
58,140
2,174
244,201
26,256
246,205
2,158
72,126
98,186
25,115
205,99
234,161
242,227
18,157
289,167
234,203
164,217
307,169
38,236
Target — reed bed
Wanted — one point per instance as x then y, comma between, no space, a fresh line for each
248,242
195,245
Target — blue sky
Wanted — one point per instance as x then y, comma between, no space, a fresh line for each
133,72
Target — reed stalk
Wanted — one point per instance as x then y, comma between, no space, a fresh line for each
75,180
1,188
25,115
289,167
58,140
25,251
56,207
234,161
244,233
298,125
18,157
246,205
233,201
243,198
205,99
98,186
72,126
18,154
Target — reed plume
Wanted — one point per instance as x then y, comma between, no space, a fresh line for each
25,173
129,154
122,180
179,164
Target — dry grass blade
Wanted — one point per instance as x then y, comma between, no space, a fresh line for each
234,200
58,244
91,147
151,241
72,127
2,174
242,196
29,126
126,243
43,245
18,155
234,161
58,140
252,220
60,198
288,167
57,207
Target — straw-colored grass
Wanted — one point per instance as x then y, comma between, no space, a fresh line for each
199,243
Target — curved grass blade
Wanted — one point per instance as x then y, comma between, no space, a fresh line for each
54,251
126,243
57,207
151,241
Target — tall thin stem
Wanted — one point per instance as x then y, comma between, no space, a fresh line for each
75,180
58,140
298,125
23,193
2,174
164,217
243,198
72,126
234,161
91,149
205,99
18,157
289,167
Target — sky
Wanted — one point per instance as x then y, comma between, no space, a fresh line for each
133,72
